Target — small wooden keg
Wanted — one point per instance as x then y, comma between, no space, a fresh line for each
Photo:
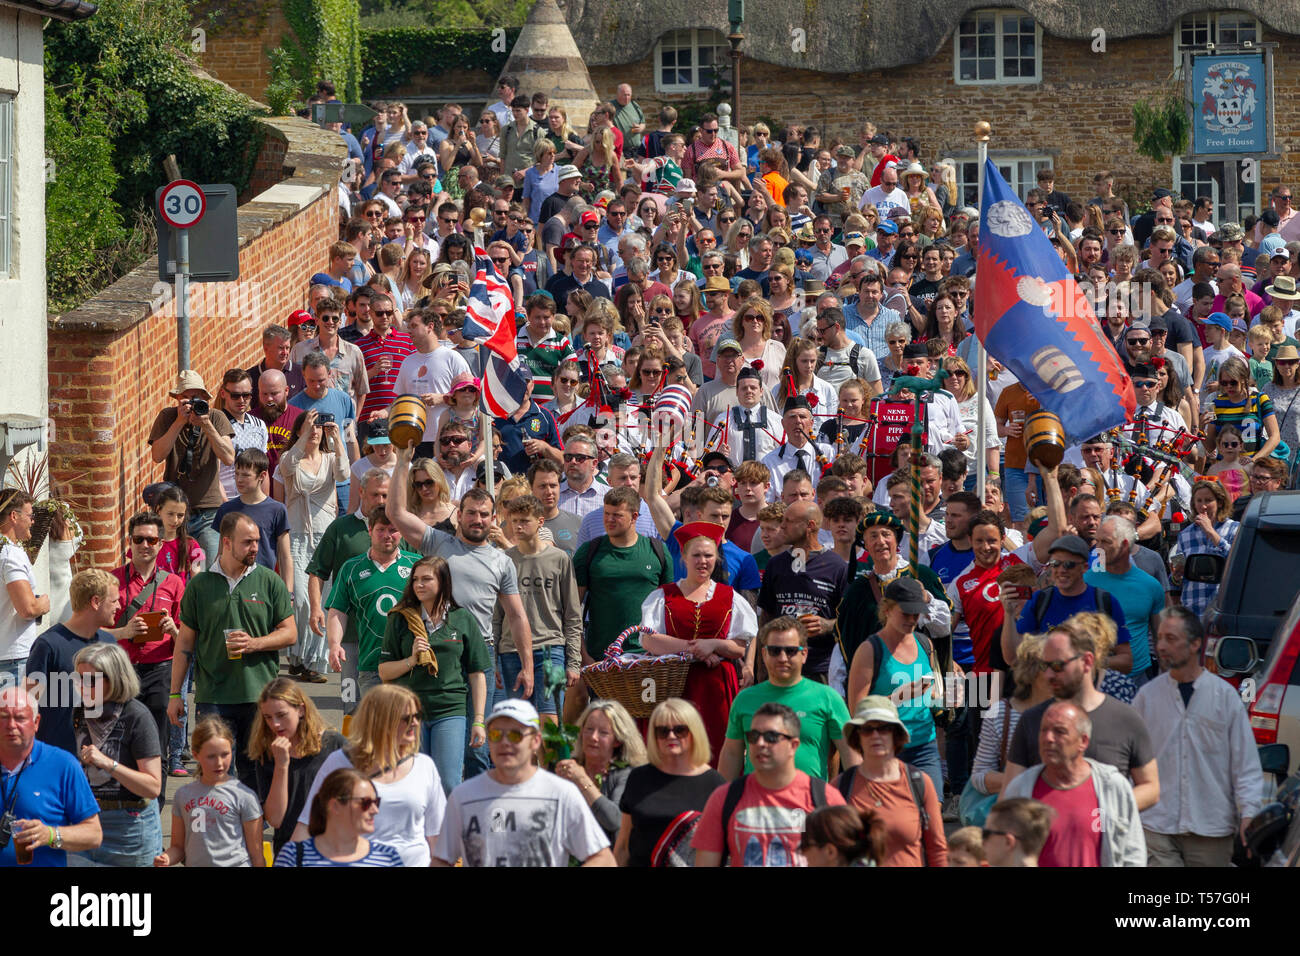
1044,439
406,420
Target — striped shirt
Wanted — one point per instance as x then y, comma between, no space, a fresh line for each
381,854
697,153
543,359
1247,415
397,346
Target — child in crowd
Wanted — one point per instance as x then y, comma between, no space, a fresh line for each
966,848
1260,340
216,821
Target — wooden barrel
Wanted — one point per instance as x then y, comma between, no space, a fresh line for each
1044,439
406,419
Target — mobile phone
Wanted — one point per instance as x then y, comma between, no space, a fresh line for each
325,418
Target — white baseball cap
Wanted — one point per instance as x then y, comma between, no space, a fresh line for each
516,709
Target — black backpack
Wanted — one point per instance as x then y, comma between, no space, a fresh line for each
854,352
737,789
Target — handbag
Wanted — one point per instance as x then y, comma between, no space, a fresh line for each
973,806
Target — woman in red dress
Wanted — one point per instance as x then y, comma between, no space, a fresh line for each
706,619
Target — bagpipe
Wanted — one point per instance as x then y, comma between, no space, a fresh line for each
1153,453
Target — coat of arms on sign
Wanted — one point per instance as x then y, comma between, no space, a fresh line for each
1228,98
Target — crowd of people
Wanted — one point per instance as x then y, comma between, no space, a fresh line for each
699,470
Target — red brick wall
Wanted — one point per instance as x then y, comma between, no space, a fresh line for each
269,166
238,45
113,360
1081,116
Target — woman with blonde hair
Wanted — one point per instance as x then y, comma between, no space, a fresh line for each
428,495
962,386
287,746
943,180
541,179
599,166
487,135
1101,628
929,225
670,790
384,746
117,741
737,241
561,135
752,328
609,747
1032,687
409,284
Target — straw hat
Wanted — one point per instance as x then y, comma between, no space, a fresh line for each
187,380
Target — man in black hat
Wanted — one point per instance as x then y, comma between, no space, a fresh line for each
1068,558
1160,199
750,424
798,450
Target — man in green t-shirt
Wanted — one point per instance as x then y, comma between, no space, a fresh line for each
822,714
345,538
620,568
364,591
234,620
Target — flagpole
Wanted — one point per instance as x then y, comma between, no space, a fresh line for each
489,474
982,130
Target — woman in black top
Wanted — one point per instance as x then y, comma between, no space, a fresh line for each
670,791
287,747
117,741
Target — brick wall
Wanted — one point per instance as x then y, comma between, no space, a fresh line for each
113,360
238,43
1081,115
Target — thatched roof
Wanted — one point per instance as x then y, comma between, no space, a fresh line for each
851,36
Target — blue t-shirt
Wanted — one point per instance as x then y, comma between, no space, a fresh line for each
271,518
1140,595
1060,607
947,562
740,564
340,405
536,423
52,788
50,661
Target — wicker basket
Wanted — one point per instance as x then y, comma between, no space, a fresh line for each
43,518
624,681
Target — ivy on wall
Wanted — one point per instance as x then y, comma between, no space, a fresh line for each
391,57
323,43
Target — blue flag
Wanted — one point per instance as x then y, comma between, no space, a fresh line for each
1033,318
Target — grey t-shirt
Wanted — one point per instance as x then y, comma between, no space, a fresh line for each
564,528
478,574
1119,736
1149,561
549,590
218,840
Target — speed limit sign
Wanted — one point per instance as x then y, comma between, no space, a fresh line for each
182,204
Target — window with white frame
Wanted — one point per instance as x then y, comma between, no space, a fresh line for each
688,61
1196,31
6,184
1193,180
997,46
1020,172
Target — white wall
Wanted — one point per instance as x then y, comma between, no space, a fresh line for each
24,380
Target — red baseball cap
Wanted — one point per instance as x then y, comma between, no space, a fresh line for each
300,317
570,239
590,218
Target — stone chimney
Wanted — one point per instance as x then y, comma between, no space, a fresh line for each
546,59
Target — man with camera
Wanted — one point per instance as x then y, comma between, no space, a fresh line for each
47,804
194,441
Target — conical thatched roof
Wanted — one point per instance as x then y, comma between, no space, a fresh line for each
546,59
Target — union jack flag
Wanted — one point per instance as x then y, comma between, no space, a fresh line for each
504,384
490,311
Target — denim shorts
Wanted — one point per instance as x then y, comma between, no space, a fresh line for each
1014,485
131,838
510,667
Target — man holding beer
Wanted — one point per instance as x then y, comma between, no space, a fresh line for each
222,611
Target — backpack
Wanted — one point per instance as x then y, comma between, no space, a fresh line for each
656,545
915,782
927,648
736,790
1105,604
854,352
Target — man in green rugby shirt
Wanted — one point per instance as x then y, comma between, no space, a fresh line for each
222,611
364,590
345,538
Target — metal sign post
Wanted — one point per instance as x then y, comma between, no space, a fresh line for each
982,131
181,205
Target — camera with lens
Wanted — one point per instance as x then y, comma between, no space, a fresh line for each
325,418
199,406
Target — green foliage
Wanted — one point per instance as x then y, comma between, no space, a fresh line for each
445,13
390,57
1162,126
324,43
558,742
120,98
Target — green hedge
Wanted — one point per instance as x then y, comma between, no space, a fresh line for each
391,57
324,43
120,99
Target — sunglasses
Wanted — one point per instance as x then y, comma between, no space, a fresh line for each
448,222
1229,444
421,485
331,319
664,731
239,396
416,218
514,736
1142,341
501,260
385,312
452,440
1057,666
144,539
1068,565
411,718
988,832
366,803
652,371
1144,383
870,729
1116,232
726,220
1229,384
782,650
767,736
574,456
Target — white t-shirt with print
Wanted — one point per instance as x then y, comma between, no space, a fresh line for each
540,822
